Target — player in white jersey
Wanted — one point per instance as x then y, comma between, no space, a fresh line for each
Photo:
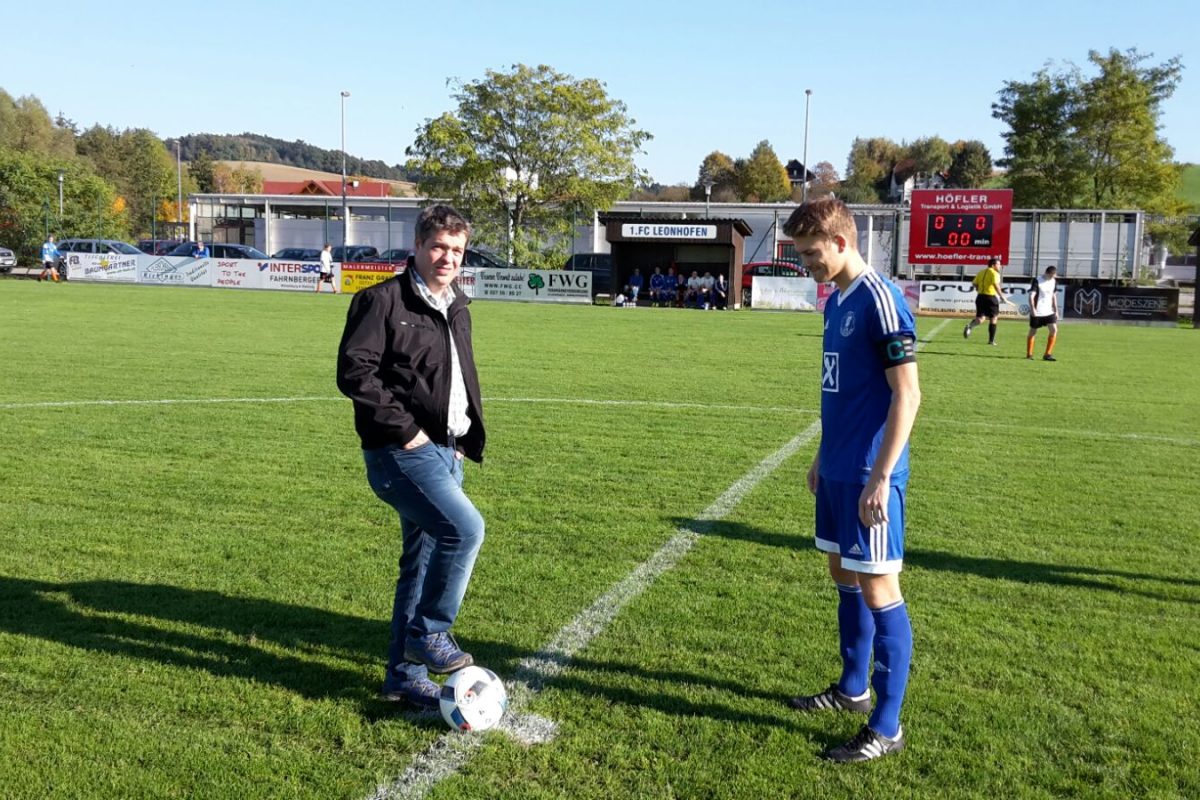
1043,313
869,400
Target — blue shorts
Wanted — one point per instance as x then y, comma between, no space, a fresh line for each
878,549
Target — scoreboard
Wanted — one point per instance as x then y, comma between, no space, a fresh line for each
959,226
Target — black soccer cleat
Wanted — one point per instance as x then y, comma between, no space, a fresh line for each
1048,357
832,699
865,746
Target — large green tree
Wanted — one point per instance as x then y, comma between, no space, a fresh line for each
763,178
1076,141
721,171
970,165
523,151
26,126
867,169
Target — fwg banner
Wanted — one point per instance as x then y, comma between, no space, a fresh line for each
102,267
533,285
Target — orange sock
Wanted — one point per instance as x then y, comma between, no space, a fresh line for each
1029,347
1050,344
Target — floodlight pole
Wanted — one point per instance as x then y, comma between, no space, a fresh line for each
60,193
804,166
345,215
708,184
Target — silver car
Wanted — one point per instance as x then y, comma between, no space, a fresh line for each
7,260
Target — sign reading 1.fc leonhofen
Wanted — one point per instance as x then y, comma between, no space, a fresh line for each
667,230
959,226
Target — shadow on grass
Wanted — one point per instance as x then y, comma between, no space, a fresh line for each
193,628
1087,577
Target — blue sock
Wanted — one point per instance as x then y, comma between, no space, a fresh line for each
855,630
893,652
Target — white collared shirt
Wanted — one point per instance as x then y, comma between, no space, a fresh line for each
457,421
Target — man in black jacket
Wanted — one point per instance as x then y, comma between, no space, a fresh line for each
407,363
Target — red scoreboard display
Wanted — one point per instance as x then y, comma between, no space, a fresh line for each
959,226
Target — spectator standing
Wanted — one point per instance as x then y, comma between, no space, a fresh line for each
200,250
407,362
635,286
50,256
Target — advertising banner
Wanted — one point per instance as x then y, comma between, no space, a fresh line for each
1123,304
533,285
296,276
239,273
175,271
102,267
783,294
958,297
358,276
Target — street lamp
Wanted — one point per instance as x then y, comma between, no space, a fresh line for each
60,188
345,216
708,184
804,177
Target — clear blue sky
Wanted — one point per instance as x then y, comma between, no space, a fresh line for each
699,76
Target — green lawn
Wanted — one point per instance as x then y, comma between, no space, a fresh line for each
194,596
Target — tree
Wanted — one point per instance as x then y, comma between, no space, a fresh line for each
25,126
201,169
764,179
868,169
1089,142
971,164
29,202
826,182
930,155
1117,120
523,151
721,170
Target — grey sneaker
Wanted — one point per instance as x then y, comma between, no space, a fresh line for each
438,652
866,745
422,692
832,699
966,331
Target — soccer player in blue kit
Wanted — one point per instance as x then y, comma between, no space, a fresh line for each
869,400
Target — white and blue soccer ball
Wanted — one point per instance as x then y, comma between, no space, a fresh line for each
473,699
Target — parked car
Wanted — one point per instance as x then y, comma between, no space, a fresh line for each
298,254
8,260
475,258
395,255
355,252
156,247
220,250
97,246
778,268
599,264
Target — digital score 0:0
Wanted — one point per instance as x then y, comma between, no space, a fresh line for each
959,230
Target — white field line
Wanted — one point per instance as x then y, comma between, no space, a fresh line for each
452,750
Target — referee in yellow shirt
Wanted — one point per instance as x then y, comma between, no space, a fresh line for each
987,300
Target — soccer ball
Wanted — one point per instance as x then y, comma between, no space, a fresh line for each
473,699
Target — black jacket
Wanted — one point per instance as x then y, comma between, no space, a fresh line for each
394,363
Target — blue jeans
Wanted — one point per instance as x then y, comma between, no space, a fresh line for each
442,532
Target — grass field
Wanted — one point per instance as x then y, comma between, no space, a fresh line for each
194,595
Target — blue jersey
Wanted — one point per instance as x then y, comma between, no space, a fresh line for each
860,324
49,252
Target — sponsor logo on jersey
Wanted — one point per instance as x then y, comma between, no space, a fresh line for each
829,372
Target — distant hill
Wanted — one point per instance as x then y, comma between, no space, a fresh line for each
255,147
